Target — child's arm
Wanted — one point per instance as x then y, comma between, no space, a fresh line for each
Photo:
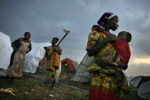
117,62
117,58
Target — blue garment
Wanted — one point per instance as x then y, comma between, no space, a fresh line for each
106,16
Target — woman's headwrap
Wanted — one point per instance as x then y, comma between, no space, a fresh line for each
106,16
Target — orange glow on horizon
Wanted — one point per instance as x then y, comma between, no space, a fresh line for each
141,61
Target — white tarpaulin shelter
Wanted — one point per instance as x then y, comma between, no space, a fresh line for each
34,57
142,83
144,90
5,53
5,50
135,81
82,75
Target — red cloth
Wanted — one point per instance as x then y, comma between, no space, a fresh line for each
121,46
69,62
100,94
123,49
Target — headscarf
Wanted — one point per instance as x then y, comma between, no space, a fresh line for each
106,16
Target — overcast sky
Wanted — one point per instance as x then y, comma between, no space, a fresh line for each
46,19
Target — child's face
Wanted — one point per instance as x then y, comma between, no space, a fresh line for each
28,36
54,41
123,36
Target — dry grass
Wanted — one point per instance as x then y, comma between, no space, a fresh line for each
31,87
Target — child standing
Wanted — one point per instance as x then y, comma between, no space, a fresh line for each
21,47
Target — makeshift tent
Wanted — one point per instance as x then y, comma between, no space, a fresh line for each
73,65
5,53
82,75
34,57
138,80
144,90
142,83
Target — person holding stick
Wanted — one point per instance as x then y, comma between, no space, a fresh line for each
52,60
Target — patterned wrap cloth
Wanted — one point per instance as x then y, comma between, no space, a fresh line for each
52,64
54,59
103,84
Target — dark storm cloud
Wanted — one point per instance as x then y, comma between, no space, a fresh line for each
46,18
144,46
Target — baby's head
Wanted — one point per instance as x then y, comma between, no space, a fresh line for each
124,35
